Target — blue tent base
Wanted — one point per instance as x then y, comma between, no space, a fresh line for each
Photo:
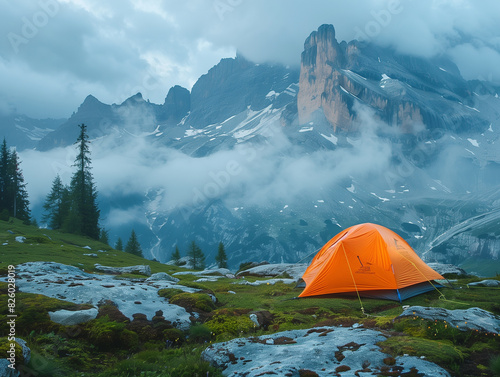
390,294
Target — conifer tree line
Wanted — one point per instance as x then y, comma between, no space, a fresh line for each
196,257
13,195
70,208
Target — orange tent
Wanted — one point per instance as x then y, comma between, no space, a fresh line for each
371,260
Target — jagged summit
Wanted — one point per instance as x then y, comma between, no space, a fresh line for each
404,91
135,99
322,41
90,102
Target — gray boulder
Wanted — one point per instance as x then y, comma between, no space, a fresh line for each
162,276
93,255
57,280
319,350
215,271
265,282
68,317
5,370
139,269
486,283
26,350
468,319
295,271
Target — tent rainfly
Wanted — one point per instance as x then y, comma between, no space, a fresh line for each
371,260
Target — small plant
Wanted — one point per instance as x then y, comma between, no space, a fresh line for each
495,366
200,301
199,333
230,325
187,362
34,318
173,337
168,293
107,334
41,366
133,367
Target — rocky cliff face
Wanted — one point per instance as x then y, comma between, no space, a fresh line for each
236,84
321,80
404,91
177,104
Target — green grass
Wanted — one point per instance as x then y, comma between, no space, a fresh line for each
440,352
54,246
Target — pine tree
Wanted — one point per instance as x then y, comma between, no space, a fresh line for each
57,204
221,257
13,193
20,200
133,246
84,212
176,256
196,257
119,244
4,176
104,236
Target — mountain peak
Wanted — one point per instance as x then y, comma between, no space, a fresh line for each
136,98
90,99
325,32
90,103
177,103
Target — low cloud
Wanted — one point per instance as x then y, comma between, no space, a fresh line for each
259,175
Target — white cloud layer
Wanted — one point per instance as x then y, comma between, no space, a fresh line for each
56,52
254,175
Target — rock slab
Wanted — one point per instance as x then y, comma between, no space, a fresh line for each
468,319
69,318
140,269
71,284
322,350
162,276
295,271
486,283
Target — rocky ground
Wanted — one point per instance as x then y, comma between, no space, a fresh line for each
243,316
72,284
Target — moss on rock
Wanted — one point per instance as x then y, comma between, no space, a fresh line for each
193,301
221,324
168,293
438,351
5,347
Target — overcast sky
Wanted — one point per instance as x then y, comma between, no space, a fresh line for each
53,53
